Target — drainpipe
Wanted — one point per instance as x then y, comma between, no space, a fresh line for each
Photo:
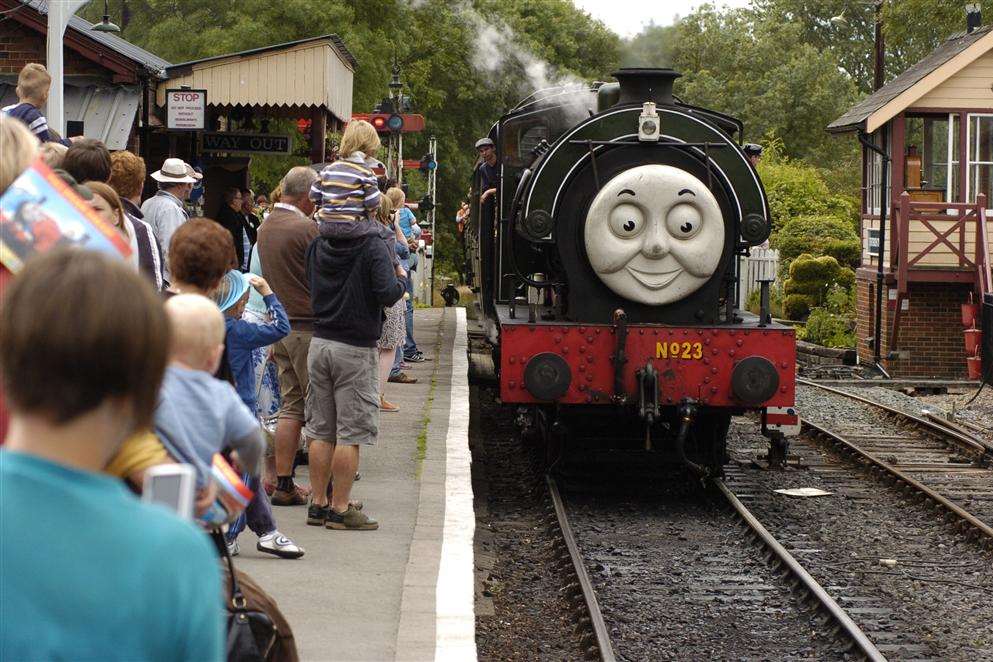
883,205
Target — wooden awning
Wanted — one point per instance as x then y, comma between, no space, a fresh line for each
310,73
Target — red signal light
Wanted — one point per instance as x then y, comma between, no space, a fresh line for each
379,122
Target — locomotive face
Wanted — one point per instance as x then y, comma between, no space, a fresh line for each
654,234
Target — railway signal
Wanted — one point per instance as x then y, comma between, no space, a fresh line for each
427,163
393,122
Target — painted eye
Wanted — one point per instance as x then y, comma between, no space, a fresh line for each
626,221
684,221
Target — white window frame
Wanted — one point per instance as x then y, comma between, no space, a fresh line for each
874,187
969,145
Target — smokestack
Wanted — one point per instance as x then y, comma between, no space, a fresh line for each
973,16
641,85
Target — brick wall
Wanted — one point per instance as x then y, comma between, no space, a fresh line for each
20,44
930,344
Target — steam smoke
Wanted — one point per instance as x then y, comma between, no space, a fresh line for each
499,49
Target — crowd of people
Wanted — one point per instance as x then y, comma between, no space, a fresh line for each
295,310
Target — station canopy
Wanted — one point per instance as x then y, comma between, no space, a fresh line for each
288,79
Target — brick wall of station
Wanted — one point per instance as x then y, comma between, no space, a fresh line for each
930,343
20,44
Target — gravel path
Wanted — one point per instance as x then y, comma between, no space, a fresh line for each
918,589
521,613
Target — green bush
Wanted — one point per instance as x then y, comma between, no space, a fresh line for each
828,329
796,306
812,282
818,235
796,188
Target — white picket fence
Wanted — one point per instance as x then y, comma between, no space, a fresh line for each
763,263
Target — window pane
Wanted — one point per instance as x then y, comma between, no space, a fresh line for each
935,155
981,147
980,180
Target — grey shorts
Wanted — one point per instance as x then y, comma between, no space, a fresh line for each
343,399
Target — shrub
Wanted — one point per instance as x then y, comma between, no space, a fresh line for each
793,188
796,306
828,329
818,235
811,281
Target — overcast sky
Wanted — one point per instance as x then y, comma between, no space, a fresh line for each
626,17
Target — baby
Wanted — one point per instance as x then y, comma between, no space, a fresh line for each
198,415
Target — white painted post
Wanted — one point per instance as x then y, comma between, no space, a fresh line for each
59,13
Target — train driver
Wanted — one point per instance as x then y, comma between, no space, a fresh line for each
489,175
753,152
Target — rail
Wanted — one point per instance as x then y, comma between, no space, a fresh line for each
586,586
959,437
825,601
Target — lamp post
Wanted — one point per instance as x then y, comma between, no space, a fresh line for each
59,13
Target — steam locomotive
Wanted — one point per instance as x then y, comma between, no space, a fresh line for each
606,271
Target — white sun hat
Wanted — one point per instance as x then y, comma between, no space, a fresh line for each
173,171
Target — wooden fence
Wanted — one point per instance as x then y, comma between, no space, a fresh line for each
762,263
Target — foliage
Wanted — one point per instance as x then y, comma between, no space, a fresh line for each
797,189
761,71
810,281
833,324
821,234
464,62
911,29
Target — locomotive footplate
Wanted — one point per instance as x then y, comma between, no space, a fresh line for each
739,367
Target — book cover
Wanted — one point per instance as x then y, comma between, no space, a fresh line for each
39,211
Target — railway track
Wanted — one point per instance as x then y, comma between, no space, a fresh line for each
747,601
944,466
913,583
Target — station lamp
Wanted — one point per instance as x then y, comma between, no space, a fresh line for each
105,25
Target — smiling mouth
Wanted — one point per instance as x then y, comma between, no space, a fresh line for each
654,280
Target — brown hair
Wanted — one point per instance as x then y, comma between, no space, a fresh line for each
200,253
127,173
87,160
32,83
110,195
76,328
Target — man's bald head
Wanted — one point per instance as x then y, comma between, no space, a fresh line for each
197,331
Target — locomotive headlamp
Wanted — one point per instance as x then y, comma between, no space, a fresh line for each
547,376
649,124
754,380
754,229
537,225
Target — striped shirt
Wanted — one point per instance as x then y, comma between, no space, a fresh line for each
36,122
346,191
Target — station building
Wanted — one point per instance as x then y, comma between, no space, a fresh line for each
117,92
935,124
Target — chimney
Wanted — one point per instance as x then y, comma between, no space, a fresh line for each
641,85
973,16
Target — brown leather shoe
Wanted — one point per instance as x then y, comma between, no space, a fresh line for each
297,497
402,378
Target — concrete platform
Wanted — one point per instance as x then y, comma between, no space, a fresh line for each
405,591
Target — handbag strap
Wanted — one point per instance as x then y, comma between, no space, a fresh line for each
238,601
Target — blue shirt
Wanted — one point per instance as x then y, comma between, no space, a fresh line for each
91,573
198,415
406,220
243,336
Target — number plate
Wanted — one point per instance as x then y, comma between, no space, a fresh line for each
692,351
